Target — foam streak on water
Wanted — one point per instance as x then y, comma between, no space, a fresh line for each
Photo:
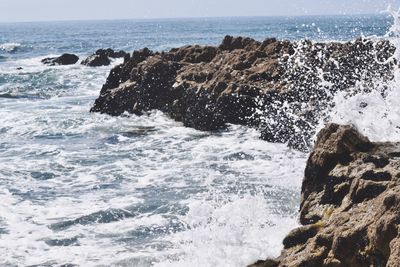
91,190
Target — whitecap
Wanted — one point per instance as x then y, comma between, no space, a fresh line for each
10,47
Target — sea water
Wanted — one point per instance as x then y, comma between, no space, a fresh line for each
84,189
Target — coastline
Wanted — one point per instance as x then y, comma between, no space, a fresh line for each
207,87
140,188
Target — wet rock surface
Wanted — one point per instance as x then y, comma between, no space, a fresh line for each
64,59
350,208
283,88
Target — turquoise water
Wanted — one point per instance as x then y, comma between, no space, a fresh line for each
92,190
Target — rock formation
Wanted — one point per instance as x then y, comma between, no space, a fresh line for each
102,57
64,59
281,87
350,209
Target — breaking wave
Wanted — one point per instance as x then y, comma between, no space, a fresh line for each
375,112
10,47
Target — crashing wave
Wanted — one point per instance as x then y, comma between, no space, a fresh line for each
375,112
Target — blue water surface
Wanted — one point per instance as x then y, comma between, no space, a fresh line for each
42,38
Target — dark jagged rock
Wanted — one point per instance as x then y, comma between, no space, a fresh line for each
102,57
111,53
64,59
283,88
96,60
192,54
350,207
122,73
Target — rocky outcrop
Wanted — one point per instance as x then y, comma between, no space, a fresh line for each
281,87
102,57
350,209
64,59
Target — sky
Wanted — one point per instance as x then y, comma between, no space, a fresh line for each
50,10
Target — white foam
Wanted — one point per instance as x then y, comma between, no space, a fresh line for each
230,231
163,155
9,47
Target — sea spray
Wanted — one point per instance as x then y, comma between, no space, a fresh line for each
299,96
313,74
375,112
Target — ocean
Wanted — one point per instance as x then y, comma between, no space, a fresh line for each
85,189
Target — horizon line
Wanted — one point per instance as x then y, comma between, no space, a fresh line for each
383,13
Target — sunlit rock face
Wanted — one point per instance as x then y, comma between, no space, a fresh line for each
350,208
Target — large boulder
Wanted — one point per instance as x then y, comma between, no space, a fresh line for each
64,59
350,208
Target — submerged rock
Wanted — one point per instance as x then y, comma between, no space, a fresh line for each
350,207
64,59
281,87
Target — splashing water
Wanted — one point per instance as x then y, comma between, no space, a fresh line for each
350,83
375,113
